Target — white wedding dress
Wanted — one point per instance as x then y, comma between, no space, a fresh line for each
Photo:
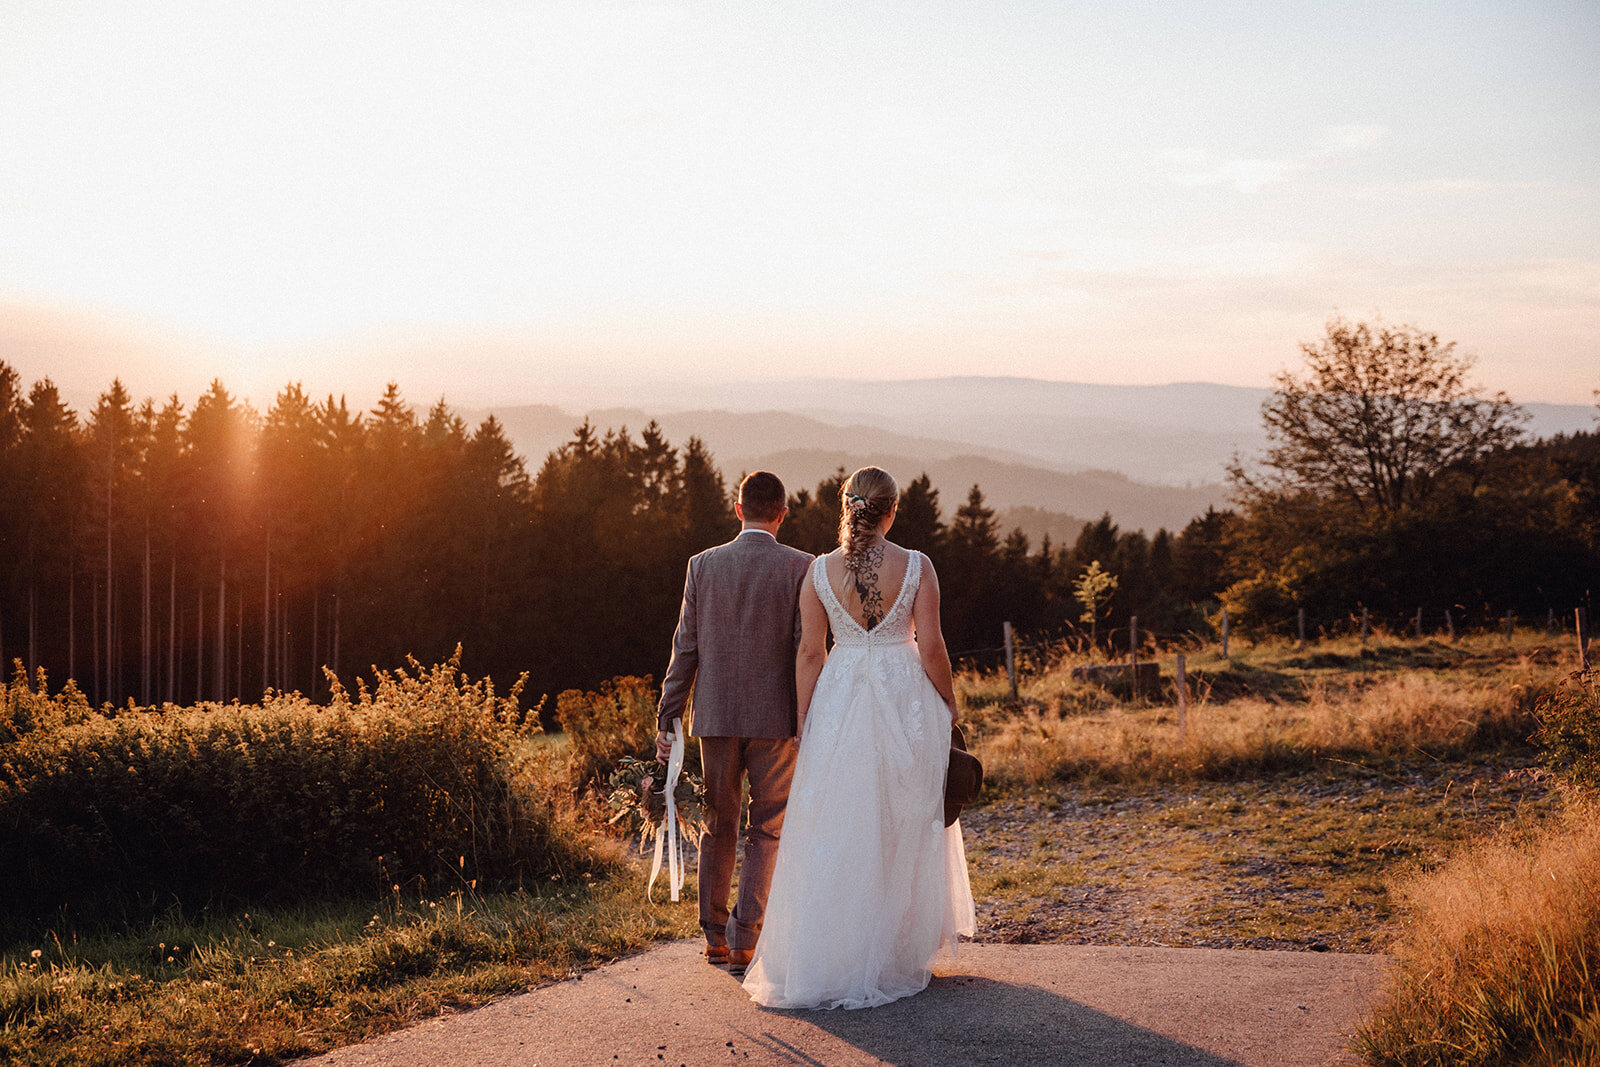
870,885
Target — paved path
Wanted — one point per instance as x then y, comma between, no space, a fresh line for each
995,1004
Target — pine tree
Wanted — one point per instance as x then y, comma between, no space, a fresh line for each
112,460
708,517
917,524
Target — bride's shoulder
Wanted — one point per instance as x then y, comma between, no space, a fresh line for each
923,564
900,552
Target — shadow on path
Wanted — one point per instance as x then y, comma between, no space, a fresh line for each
973,1020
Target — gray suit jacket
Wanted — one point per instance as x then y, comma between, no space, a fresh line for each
736,639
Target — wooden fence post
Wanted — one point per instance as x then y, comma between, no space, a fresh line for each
1133,652
1583,639
1450,625
1302,624
1550,626
1011,662
1511,622
1183,702
1363,626
1224,633
1419,624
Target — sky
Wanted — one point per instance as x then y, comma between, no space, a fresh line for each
511,202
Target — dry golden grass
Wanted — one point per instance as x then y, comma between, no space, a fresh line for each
1277,862
1500,959
1272,711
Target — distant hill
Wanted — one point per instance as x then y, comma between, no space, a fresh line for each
1008,485
1178,434
1150,455
804,451
1037,523
538,428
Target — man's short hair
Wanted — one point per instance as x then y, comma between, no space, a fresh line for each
762,497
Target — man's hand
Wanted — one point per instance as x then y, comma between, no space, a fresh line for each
663,745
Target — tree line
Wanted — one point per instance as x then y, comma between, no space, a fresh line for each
184,553
208,552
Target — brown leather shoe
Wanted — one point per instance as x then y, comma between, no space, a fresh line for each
739,959
717,955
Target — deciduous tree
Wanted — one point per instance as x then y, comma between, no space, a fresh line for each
1376,418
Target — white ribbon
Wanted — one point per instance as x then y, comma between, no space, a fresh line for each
667,832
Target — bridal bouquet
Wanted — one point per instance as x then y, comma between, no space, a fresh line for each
638,800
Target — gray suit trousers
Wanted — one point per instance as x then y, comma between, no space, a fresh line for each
726,760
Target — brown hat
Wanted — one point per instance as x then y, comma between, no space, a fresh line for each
963,779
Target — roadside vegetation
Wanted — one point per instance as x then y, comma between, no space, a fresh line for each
232,884
1499,956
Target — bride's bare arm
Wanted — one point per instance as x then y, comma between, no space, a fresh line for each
930,638
813,650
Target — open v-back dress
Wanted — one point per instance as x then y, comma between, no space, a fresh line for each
870,885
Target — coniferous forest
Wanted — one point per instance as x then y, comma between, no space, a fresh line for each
204,551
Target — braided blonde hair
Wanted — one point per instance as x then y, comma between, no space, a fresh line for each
866,497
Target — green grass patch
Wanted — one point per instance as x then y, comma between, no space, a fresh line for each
269,985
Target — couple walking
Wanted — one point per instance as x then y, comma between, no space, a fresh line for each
845,752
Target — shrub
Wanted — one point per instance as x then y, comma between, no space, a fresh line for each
1500,960
1569,730
1260,606
604,726
26,707
415,779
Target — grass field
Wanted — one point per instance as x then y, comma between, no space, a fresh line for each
1297,860
1315,792
269,985
1269,709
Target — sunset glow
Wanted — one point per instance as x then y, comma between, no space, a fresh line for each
523,201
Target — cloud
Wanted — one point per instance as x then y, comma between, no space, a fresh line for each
1245,175
1198,168
1354,137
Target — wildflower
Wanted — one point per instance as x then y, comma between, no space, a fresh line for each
37,953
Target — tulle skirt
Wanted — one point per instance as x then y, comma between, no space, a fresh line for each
870,885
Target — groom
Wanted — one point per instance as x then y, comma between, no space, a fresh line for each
734,648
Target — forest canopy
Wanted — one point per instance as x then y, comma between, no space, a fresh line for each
196,552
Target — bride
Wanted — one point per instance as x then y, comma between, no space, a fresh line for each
870,884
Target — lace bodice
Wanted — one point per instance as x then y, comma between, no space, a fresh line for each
896,627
